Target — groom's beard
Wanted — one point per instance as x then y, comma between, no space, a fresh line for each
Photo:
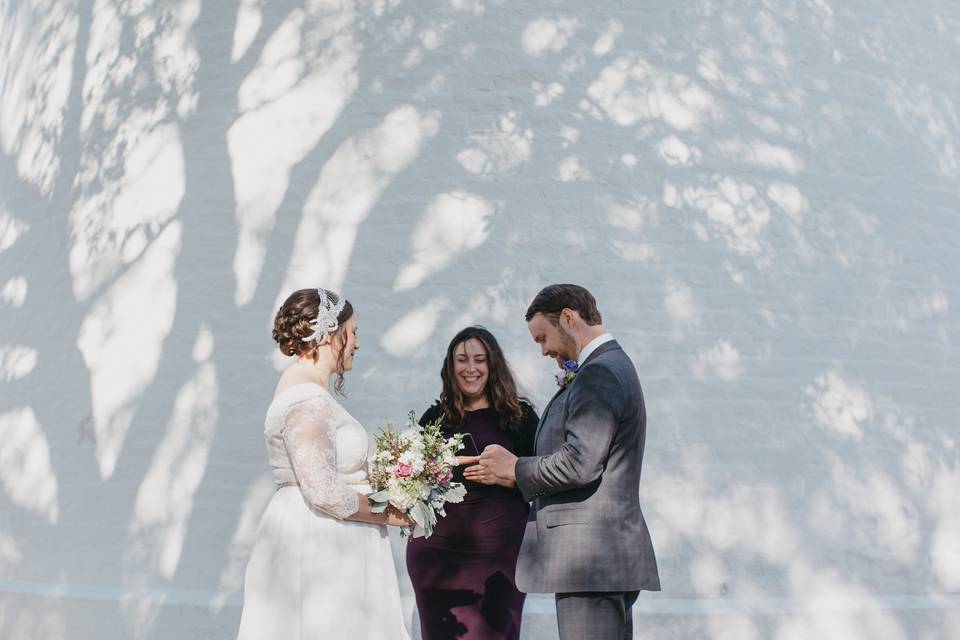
568,345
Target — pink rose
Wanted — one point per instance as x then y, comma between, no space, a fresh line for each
446,476
403,470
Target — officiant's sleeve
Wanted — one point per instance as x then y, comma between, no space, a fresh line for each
594,408
309,434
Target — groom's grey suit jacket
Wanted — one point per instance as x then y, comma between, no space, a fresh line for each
586,531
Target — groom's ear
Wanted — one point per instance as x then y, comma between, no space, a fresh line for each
569,317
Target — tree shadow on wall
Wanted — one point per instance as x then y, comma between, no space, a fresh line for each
716,173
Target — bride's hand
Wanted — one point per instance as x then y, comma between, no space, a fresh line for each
464,460
396,518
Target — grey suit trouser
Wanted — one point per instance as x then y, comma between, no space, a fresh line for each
596,615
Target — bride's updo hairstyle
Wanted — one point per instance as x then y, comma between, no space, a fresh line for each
296,336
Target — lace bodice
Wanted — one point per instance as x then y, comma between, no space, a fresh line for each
312,441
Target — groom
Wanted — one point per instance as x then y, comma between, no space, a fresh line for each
586,540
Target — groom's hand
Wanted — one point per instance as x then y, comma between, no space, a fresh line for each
495,466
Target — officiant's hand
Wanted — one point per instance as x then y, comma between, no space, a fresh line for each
495,465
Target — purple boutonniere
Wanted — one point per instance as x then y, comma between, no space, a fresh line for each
569,372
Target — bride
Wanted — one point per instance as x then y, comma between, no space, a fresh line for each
321,566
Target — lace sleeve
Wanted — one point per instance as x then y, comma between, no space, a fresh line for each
309,435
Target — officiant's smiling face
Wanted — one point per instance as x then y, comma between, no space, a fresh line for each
470,368
554,341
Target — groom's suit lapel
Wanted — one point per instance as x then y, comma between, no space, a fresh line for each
606,346
543,418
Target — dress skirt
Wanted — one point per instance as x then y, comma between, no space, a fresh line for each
311,576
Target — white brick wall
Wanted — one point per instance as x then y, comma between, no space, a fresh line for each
763,196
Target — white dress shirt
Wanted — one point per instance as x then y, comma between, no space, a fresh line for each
592,346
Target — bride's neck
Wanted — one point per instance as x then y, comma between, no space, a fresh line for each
319,371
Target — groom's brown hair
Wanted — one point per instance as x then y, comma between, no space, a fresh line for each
553,299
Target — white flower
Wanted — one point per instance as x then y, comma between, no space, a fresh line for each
414,459
410,437
417,445
401,498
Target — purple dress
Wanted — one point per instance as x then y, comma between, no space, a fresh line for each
463,575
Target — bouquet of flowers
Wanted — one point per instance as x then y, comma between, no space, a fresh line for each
413,469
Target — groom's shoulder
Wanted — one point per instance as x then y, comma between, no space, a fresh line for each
603,369
616,361
610,355
614,373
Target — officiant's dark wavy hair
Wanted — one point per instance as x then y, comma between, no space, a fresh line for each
501,388
292,330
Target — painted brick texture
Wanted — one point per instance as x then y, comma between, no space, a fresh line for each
763,197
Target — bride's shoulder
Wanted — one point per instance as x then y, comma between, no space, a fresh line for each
294,392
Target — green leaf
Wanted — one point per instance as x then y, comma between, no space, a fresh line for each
379,501
420,514
380,496
456,492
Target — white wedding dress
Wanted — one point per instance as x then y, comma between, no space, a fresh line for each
312,574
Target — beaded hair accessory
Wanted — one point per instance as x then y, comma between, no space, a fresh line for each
327,313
